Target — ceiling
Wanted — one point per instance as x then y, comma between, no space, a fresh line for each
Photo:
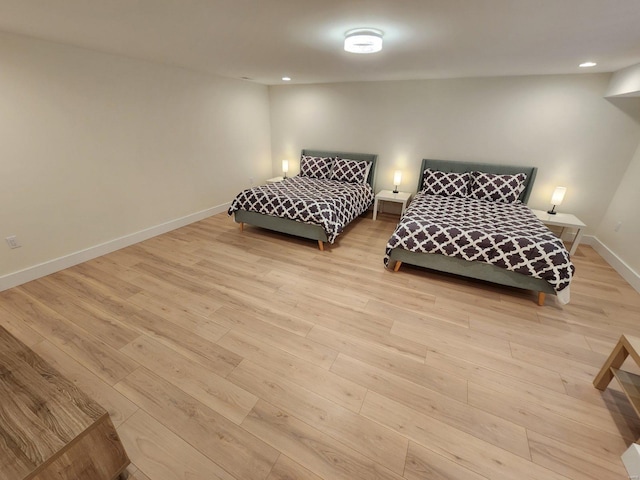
263,40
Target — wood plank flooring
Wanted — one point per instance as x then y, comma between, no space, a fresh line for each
223,354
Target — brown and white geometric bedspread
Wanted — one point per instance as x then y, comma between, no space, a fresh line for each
507,235
331,204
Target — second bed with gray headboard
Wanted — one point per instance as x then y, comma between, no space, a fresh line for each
471,219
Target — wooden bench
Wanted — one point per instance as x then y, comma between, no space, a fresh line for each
49,429
629,382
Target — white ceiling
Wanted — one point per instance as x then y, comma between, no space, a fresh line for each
266,39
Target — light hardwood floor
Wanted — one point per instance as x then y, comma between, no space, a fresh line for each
252,355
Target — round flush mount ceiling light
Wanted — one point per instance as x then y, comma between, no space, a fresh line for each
363,40
587,64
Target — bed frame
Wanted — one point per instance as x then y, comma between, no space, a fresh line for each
293,227
465,268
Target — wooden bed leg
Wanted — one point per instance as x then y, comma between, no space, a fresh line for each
241,227
321,245
541,298
397,266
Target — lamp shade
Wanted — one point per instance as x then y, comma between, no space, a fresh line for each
285,166
558,195
397,177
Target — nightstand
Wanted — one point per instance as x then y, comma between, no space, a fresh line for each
389,196
275,179
563,220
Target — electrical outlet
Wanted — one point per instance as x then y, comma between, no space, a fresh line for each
617,227
12,241
251,181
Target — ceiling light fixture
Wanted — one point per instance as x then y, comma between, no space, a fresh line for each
363,40
587,64
286,79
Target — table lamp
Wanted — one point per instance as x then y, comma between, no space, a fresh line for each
397,179
556,199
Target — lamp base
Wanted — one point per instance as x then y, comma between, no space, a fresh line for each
551,212
394,191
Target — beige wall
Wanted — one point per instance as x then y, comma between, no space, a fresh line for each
95,146
561,124
624,208
625,82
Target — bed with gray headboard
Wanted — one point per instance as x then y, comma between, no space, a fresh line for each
290,201
472,231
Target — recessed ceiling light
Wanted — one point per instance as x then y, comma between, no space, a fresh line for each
587,64
286,79
363,40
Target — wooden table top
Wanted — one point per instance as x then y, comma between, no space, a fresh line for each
41,412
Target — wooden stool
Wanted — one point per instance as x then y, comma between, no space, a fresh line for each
629,382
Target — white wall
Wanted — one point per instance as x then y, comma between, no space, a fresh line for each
625,82
94,147
625,242
561,124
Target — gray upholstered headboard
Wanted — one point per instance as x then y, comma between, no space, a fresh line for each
367,157
461,167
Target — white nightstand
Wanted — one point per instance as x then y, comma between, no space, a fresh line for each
563,220
275,179
389,196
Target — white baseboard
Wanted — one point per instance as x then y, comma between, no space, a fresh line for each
23,276
619,265
631,461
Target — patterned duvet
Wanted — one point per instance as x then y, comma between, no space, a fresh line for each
506,235
330,204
